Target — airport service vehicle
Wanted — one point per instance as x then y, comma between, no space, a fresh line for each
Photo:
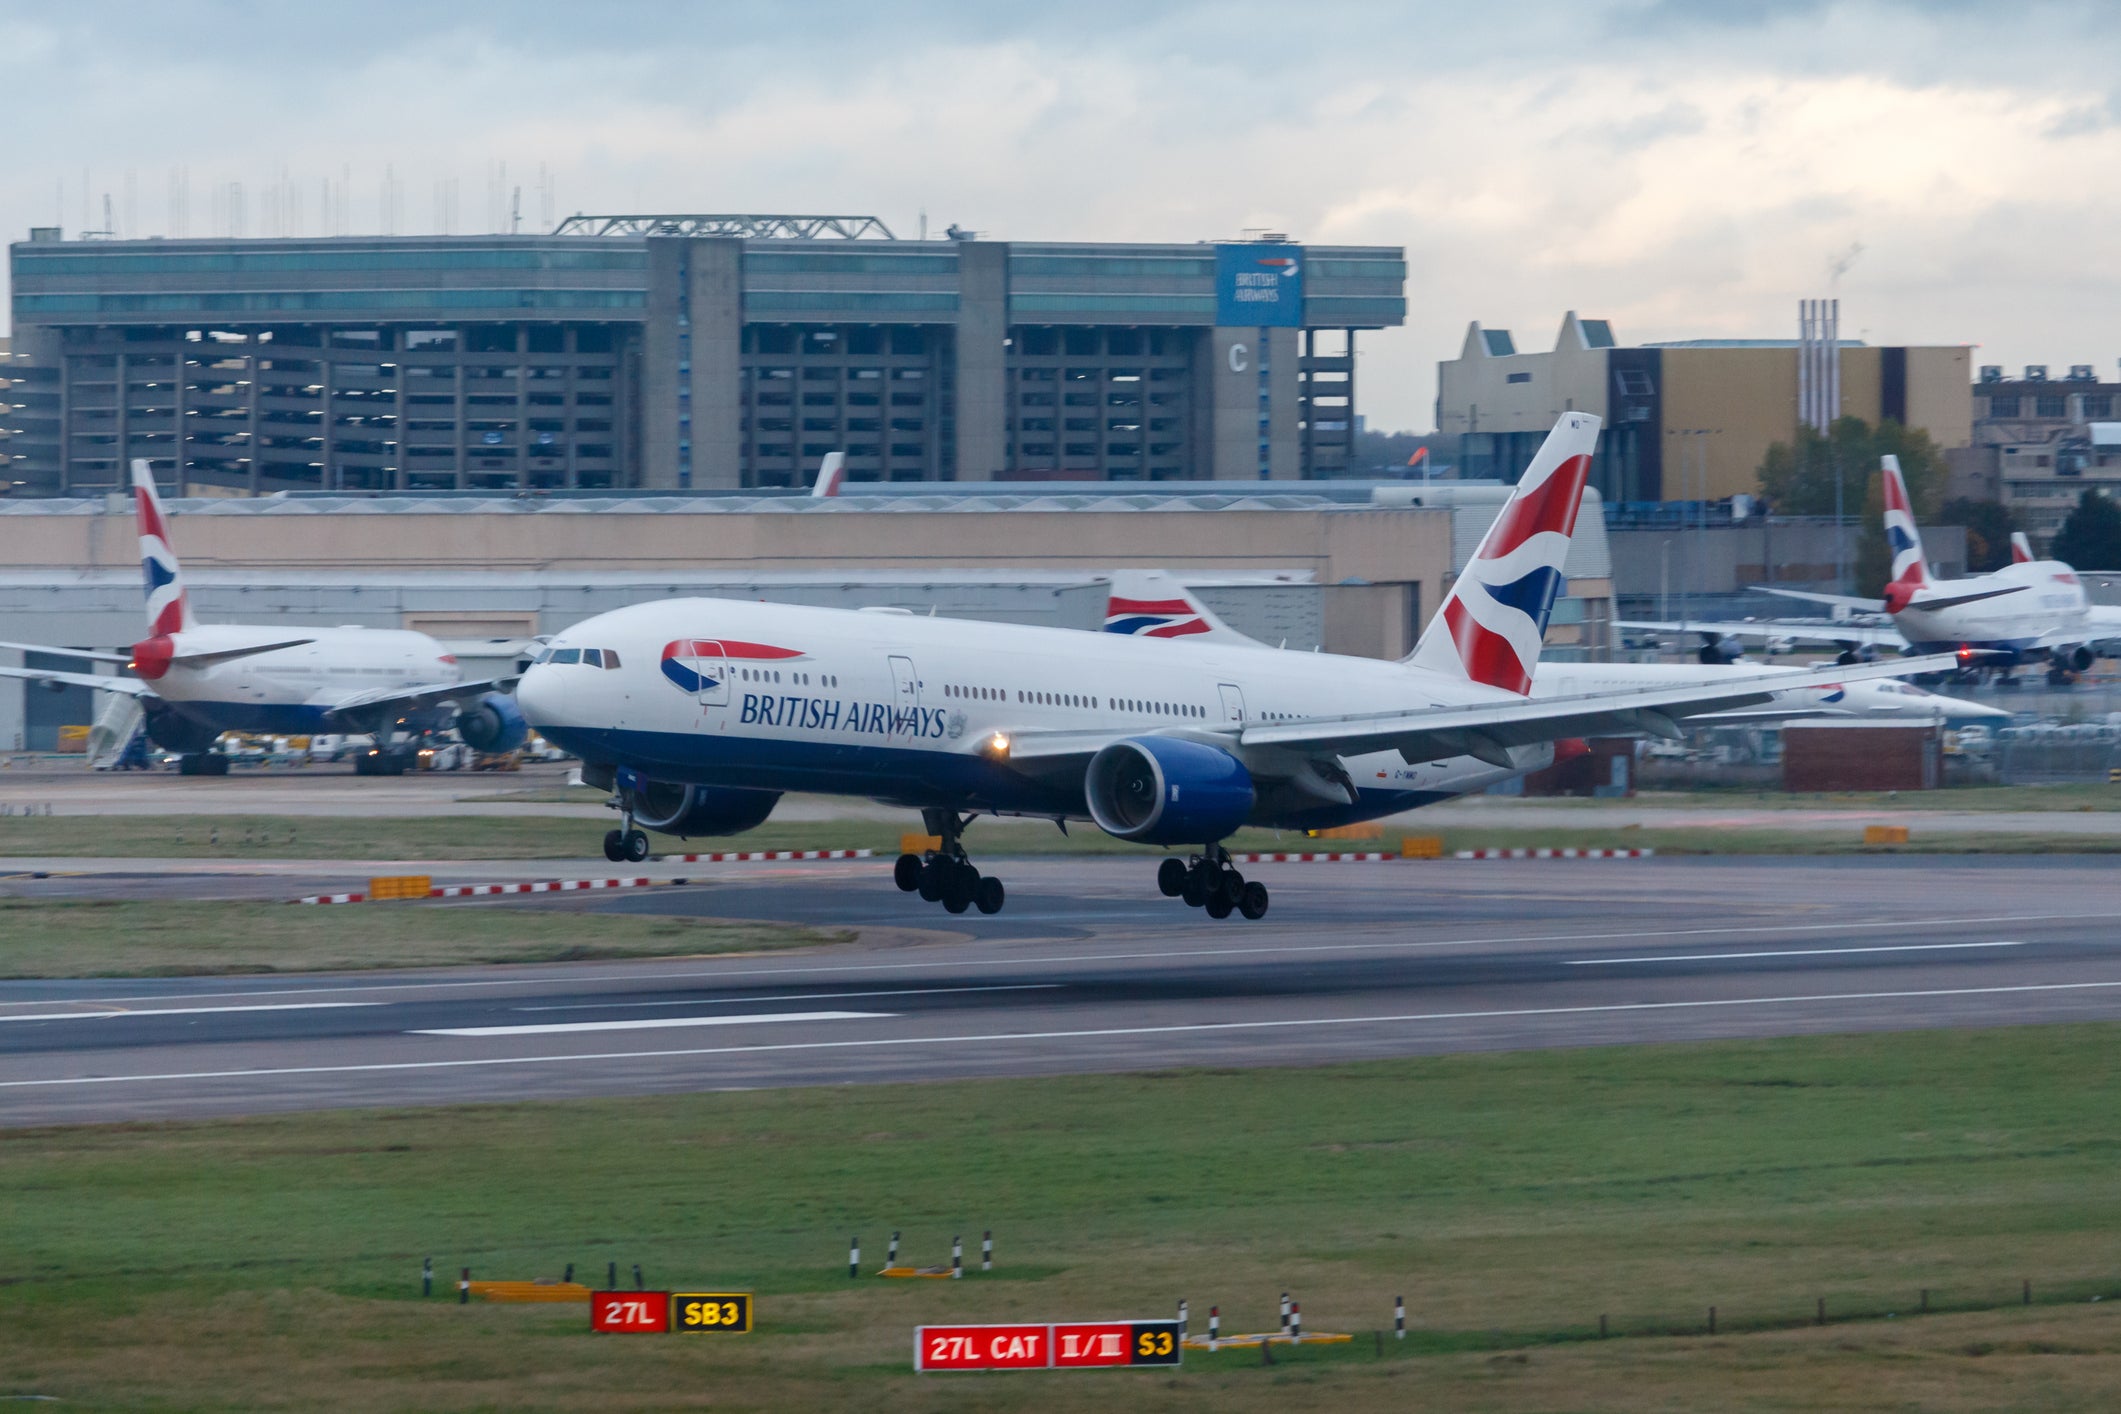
2029,609
1153,604
195,681
699,713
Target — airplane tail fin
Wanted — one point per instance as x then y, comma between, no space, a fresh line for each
2021,548
1495,617
831,475
1151,604
168,605
1910,568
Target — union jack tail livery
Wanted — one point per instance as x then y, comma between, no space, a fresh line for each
831,475
1490,627
168,606
2021,548
1909,567
1151,604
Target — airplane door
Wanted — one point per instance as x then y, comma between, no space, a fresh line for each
711,665
1233,702
905,696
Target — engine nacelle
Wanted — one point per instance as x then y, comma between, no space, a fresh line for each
180,734
1720,650
1161,790
493,723
700,810
2075,660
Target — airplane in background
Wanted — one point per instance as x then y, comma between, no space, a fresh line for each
2021,548
831,475
195,681
698,713
1153,604
2030,609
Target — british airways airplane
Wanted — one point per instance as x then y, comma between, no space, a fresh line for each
195,681
699,713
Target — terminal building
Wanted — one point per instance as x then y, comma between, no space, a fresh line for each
702,353
2039,442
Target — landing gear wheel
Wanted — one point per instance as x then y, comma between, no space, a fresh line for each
907,873
931,881
958,890
615,845
1218,904
1171,877
988,895
1195,891
1253,904
636,846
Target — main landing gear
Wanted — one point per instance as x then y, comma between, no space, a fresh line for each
945,875
1208,881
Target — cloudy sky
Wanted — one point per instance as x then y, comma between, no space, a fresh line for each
1683,169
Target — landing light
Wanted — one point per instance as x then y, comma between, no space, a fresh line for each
998,744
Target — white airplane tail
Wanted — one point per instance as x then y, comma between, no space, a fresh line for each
1492,623
831,475
1910,567
2021,548
168,605
1151,604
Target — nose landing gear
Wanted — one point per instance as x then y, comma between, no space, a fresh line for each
946,875
1208,881
626,845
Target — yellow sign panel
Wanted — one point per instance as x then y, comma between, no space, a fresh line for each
400,886
726,1311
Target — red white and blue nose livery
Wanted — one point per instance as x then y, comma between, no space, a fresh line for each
703,664
1152,618
1490,628
168,607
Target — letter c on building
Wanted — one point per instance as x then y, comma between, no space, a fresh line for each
1239,354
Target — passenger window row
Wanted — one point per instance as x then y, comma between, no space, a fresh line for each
1074,699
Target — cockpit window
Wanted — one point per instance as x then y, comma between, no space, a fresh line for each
544,656
567,655
593,657
611,658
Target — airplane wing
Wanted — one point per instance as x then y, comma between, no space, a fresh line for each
1953,601
1812,630
1839,601
181,660
131,687
93,655
369,708
1486,730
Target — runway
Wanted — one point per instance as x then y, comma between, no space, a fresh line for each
1088,969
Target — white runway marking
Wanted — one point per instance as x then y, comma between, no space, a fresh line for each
177,1010
266,1072
1785,952
555,1028
798,997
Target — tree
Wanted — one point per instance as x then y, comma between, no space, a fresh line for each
2091,538
1988,531
1797,478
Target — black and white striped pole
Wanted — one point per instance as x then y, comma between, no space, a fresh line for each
1296,1320
854,1256
611,1277
638,1284
1285,1313
892,1260
464,1288
957,1256
1215,1326
1181,1318
427,1277
1399,1318
986,1251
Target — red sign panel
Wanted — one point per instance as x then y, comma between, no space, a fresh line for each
981,1348
1081,1346
629,1312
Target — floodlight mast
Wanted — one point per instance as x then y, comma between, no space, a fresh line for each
750,228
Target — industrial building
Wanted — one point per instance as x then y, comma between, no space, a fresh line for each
683,353
1346,567
2038,442
1689,420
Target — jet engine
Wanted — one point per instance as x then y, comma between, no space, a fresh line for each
180,734
700,810
493,723
1162,790
1717,650
2075,660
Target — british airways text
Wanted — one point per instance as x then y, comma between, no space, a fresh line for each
826,714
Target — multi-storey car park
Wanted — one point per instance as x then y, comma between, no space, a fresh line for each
682,353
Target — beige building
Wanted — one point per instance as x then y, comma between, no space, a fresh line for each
2038,442
1688,420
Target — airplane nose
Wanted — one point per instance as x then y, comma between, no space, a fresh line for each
535,695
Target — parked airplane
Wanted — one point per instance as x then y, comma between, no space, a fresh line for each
1151,603
2021,548
2027,610
196,681
698,713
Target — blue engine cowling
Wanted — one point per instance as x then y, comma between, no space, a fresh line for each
699,810
1161,790
493,723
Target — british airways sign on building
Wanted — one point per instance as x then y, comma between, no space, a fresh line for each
1259,286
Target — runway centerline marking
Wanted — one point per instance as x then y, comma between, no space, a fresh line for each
1783,952
803,997
1013,961
266,1072
555,1028
175,1010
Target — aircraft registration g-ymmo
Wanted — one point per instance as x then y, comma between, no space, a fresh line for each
2028,609
699,713
195,681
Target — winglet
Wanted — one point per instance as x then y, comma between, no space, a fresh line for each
1492,623
1151,604
831,475
2021,548
168,606
1910,568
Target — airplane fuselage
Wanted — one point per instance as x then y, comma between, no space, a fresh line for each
2043,597
290,689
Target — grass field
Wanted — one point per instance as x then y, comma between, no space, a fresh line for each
272,1263
164,939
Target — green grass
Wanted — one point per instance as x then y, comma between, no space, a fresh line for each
109,938
2076,797
272,1263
